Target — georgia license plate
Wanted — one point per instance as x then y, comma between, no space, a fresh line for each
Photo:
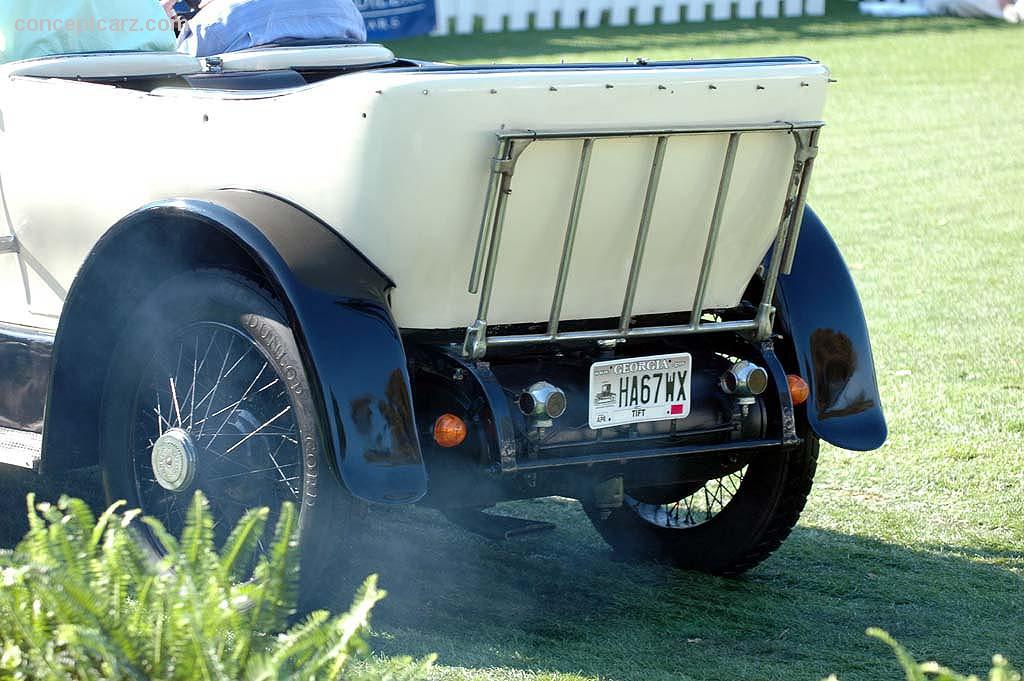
638,389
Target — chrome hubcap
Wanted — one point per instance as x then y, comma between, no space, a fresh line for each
174,460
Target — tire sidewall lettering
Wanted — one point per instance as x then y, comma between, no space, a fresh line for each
310,458
276,348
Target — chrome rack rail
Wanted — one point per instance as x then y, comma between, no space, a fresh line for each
511,145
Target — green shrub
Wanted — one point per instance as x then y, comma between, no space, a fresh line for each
932,671
81,599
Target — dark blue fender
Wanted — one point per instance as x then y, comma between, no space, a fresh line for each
821,314
338,304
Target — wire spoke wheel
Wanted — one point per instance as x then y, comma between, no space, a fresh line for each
723,525
211,413
207,391
695,509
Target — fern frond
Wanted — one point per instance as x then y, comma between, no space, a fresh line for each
80,600
163,537
96,644
126,579
347,641
301,641
907,662
157,662
278,572
35,523
100,527
35,545
79,605
240,546
84,521
197,548
64,544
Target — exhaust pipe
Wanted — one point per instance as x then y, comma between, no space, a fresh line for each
744,379
543,400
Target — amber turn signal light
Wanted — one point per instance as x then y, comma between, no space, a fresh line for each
799,391
449,430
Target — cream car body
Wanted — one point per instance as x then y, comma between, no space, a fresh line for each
376,145
313,273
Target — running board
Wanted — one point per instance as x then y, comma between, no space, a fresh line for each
495,527
20,448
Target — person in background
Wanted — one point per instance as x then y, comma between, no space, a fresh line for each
40,28
222,26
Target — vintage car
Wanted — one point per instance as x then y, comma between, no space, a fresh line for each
324,274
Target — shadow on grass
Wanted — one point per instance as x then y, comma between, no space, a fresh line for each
16,483
557,602
843,22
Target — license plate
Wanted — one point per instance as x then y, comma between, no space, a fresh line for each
639,389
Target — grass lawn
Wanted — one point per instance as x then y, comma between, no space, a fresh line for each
920,181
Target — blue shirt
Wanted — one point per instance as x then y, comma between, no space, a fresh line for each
39,28
232,25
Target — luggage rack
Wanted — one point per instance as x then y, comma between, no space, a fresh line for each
511,146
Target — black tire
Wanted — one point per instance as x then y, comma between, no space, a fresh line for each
265,449
755,519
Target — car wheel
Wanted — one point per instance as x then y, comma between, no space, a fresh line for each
723,526
207,391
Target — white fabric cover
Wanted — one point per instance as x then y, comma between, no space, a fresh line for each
107,65
320,56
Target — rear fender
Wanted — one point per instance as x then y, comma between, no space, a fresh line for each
337,302
820,313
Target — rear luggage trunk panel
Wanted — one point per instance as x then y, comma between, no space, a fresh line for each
459,116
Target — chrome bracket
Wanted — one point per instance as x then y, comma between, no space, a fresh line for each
499,187
212,65
475,345
503,166
506,165
806,145
803,163
9,244
765,321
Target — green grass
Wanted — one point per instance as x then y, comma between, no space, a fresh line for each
920,181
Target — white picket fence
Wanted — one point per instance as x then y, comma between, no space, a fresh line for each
462,16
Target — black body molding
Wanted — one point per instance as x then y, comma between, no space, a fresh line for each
337,302
821,314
